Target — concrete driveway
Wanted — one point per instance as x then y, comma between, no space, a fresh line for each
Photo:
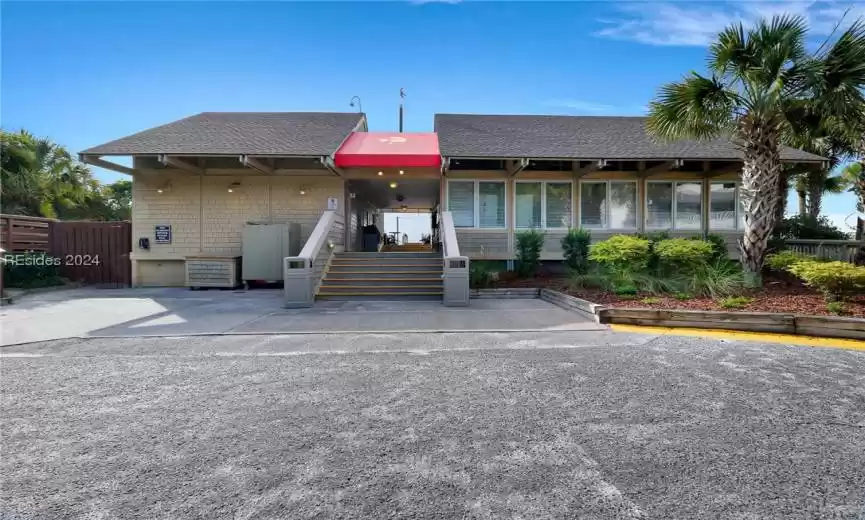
141,312
557,424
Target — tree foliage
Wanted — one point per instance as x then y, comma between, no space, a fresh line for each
41,178
763,81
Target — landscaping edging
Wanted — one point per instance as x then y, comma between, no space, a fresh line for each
823,326
569,302
516,293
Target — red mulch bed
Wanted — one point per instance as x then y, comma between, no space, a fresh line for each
776,295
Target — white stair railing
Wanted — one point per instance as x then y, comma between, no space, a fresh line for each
303,272
455,275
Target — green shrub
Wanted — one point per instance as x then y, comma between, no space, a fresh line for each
735,302
653,238
716,280
682,253
622,252
650,301
575,247
480,275
806,227
682,296
783,260
529,246
836,280
626,290
627,296
719,246
31,270
836,308
595,278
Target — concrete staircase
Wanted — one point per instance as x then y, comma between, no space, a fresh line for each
383,276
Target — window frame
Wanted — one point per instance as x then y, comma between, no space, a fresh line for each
674,206
543,184
740,225
608,194
476,200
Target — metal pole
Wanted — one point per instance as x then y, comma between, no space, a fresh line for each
401,96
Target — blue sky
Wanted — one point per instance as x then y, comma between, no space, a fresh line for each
85,73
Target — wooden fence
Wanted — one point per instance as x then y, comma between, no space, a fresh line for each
94,253
20,233
841,250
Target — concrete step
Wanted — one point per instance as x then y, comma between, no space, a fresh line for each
418,296
389,255
387,268
339,279
368,274
383,285
378,289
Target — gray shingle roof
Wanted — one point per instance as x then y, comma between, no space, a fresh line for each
573,137
253,133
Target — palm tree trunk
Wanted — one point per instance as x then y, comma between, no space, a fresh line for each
783,191
759,193
816,183
803,202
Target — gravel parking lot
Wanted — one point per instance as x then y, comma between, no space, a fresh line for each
564,424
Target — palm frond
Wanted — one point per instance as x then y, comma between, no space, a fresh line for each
696,107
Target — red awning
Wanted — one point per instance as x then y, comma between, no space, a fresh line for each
389,150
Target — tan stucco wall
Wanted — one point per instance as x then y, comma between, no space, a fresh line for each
499,244
205,217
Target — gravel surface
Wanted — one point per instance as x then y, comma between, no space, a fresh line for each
575,424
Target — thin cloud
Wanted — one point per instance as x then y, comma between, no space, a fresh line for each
671,24
592,107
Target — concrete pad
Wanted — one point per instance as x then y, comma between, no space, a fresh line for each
179,312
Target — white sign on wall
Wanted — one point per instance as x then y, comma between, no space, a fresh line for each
332,203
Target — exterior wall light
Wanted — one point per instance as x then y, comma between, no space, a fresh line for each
165,187
380,174
401,172
233,186
393,185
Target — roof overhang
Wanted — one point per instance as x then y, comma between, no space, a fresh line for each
389,150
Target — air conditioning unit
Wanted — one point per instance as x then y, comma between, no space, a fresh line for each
264,248
212,270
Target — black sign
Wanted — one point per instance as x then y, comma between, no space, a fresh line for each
162,234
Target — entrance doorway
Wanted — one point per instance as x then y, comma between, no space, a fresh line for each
404,210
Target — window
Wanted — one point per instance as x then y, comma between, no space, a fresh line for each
689,205
722,205
608,204
543,204
674,205
478,204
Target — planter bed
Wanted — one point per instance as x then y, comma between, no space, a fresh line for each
777,295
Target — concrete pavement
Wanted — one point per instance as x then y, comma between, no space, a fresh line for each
140,312
557,424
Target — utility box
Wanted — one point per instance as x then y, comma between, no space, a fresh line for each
212,270
265,246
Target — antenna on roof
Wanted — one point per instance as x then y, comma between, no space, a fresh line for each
401,97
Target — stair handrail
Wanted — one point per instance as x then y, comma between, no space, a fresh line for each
455,276
299,271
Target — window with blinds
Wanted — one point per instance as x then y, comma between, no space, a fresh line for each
674,205
477,204
557,206
491,204
528,204
608,204
461,203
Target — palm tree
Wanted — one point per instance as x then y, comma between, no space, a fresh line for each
762,80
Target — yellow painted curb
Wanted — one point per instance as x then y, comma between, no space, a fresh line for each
766,337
